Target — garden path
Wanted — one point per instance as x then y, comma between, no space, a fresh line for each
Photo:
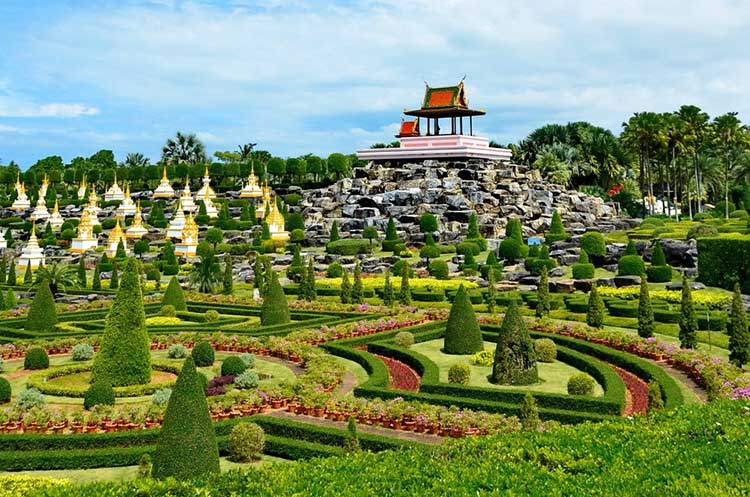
373,430
683,378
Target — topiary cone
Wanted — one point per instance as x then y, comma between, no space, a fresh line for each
174,295
462,334
187,442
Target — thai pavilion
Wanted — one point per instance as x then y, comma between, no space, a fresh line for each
443,128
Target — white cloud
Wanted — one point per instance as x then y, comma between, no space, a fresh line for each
8,129
12,107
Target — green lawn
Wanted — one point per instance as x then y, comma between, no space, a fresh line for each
355,368
125,473
554,376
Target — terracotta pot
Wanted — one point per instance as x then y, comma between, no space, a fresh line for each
318,412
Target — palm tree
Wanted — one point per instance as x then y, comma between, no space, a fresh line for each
206,275
695,123
246,151
136,159
729,136
59,277
184,149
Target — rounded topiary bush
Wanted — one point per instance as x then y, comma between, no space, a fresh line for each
335,270
99,394
83,352
168,311
5,391
739,214
464,248
459,373
630,265
404,339
246,380
210,316
246,442
659,274
36,358
177,351
546,350
511,249
702,230
203,354
583,271
439,270
248,359
593,243
581,384
233,366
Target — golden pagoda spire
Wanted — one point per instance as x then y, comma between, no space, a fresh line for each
164,174
57,208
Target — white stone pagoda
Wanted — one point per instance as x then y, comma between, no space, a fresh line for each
164,190
93,207
174,230
127,206
114,192
22,202
206,188
251,188
32,254
263,207
115,237
56,220
136,229
211,209
44,187
40,212
186,198
85,239
188,239
82,188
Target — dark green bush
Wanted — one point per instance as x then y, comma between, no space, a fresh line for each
467,247
630,265
42,315
335,270
583,271
462,335
5,391
512,250
348,247
203,354
99,394
593,243
439,270
275,309
739,214
36,358
459,373
702,230
659,274
174,295
722,261
233,366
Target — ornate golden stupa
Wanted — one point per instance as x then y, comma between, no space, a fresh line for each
188,239
251,189
136,230
275,221
85,239
174,230
115,237
40,212
186,197
82,188
206,188
114,192
263,207
45,185
164,190
211,209
56,220
93,208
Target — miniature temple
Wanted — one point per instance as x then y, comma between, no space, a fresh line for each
115,237
22,202
127,206
114,192
275,221
211,210
56,220
93,208
251,189
456,141
85,239
164,190
40,212
82,188
136,229
206,188
174,230
188,239
263,207
45,185
186,198
32,254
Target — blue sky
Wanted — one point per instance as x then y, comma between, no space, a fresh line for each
330,76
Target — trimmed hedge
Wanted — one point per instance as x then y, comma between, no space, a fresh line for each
350,246
724,260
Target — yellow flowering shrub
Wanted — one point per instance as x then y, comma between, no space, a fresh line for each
700,297
414,283
162,321
23,485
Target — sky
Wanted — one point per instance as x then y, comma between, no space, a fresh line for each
329,76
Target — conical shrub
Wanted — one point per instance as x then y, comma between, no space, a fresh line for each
187,442
275,309
174,295
462,334
42,315
515,358
124,357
